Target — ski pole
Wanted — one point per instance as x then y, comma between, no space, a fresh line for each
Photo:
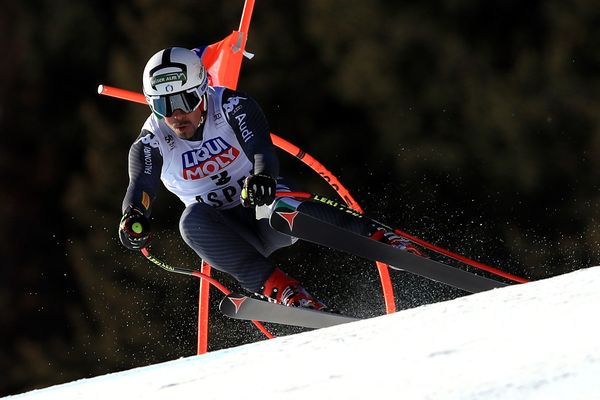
185,271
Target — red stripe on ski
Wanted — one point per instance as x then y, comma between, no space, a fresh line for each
289,217
237,302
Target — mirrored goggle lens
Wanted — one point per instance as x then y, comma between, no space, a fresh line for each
165,106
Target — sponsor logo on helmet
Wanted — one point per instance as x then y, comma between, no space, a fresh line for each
167,78
214,156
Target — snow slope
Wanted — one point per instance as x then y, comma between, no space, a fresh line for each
539,340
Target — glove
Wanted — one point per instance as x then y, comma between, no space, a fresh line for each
134,230
258,190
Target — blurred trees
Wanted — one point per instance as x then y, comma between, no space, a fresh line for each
474,126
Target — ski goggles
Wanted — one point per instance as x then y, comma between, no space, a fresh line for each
186,101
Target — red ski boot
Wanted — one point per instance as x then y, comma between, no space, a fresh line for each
282,289
391,238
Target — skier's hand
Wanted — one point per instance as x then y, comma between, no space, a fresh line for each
134,230
258,190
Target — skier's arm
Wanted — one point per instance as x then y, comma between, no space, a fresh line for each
252,129
145,162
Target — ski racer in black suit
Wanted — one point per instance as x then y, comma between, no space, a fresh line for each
211,147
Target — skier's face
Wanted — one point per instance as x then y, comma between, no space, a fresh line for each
185,125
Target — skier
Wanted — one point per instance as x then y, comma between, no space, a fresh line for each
211,147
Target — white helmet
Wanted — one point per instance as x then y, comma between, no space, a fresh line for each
174,78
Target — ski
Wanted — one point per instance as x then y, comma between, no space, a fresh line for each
288,218
247,308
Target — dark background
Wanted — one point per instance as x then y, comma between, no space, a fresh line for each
473,125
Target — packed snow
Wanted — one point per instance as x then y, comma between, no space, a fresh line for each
539,340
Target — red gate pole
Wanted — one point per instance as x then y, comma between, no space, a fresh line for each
384,271
246,16
203,300
204,291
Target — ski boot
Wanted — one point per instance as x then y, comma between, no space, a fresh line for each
389,237
282,289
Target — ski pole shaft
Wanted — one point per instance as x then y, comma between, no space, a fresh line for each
185,271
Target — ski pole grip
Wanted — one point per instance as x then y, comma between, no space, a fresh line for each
136,225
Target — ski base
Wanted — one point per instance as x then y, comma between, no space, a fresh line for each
239,306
